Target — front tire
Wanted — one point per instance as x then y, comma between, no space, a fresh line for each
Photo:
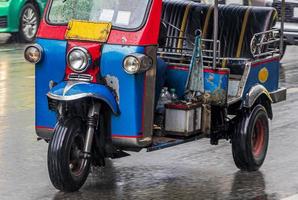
29,22
68,170
250,139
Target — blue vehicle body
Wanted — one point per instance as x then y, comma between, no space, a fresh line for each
46,71
69,91
131,117
271,83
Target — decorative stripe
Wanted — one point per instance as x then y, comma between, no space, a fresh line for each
206,23
183,26
43,127
217,71
261,62
182,68
224,63
242,33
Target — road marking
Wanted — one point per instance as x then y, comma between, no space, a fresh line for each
30,77
292,90
294,197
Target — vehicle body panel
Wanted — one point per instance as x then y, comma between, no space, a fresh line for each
70,91
51,68
143,36
269,68
131,92
130,89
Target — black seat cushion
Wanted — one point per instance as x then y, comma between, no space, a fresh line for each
173,13
260,19
237,25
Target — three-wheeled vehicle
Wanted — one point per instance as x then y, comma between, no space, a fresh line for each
103,69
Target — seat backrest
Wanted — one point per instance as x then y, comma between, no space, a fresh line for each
260,19
174,12
237,25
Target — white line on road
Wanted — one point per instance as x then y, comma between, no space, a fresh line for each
30,77
292,90
294,197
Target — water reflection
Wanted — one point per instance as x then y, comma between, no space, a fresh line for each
282,73
3,86
249,186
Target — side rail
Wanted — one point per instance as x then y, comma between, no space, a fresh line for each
180,50
265,44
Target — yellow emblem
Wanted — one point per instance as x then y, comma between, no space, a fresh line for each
88,31
263,75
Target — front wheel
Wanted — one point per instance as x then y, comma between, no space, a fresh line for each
68,169
250,139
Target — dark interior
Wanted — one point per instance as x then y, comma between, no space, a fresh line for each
183,18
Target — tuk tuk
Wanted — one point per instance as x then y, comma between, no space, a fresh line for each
104,70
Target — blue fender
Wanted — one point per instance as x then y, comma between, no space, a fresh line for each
70,91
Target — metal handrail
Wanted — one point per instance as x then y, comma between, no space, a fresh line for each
265,43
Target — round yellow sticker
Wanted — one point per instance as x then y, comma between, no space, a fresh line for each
263,75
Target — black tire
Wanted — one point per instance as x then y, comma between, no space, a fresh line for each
250,139
29,22
68,170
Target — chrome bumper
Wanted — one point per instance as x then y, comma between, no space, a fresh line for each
279,95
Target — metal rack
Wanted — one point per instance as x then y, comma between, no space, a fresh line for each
265,43
182,56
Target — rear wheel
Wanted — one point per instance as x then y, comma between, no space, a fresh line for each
68,169
29,22
250,139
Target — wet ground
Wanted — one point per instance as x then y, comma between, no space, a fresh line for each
191,171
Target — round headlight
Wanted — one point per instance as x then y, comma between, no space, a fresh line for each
33,53
78,59
131,65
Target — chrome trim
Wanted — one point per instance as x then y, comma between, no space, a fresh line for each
86,52
80,77
279,95
80,96
70,85
254,93
132,142
242,84
145,62
149,93
270,38
40,49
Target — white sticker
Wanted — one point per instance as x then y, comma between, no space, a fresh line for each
123,17
295,12
106,15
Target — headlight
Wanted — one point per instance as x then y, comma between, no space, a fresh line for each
137,63
78,59
33,53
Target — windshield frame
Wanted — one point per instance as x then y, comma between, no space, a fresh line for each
145,19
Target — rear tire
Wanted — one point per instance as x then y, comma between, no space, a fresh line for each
250,139
68,170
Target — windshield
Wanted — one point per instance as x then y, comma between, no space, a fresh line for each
128,14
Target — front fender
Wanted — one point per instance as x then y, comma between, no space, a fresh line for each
70,91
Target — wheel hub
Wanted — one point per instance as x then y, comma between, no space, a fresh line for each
258,138
29,23
76,161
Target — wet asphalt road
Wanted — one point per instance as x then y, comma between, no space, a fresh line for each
191,171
